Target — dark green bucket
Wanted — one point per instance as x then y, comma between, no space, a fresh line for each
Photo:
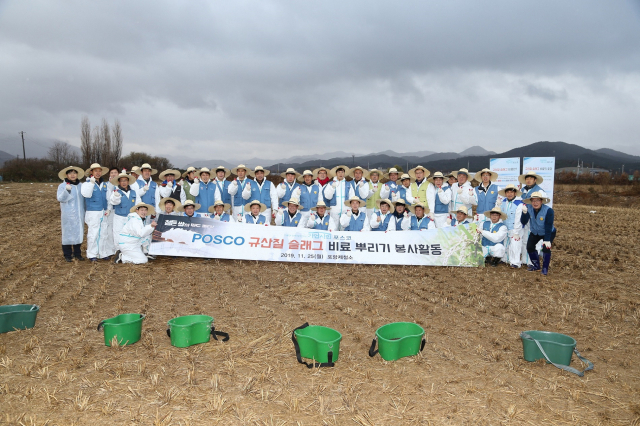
127,329
17,317
189,330
397,340
556,348
318,343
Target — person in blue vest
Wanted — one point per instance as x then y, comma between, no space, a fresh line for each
147,189
404,191
494,233
322,177
170,206
264,191
401,214
353,219
462,216
72,212
310,193
320,218
529,183
541,218
438,199
135,237
420,221
170,188
512,207
359,186
290,188
219,212
486,193
254,216
291,215
383,219
122,198
222,184
205,191
392,186
337,192
95,190
190,209
240,189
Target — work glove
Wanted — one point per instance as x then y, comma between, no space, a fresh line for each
146,187
394,197
334,185
92,179
170,184
547,244
234,183
181,182
406,214
68,187
478,230
349,212
296,193
524,208
361,183
379,219
460,190
448,221
239,219
106,212
196,181
315,182
440,190
154,224
282,186
216,217
471,191
312,216
432,217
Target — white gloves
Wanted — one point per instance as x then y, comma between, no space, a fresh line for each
280,211
471,191
361,183
170,184
334,185
68,187
181,182
239,217
406,214
296,193
146,187
349,212
282,186
312,216
394,197
430,216
459,190
196,181
216,217
547,244
234,183
448,221
117,197
106,212
315,182
524,208
92,180
440,190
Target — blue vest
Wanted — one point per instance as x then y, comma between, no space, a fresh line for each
123,209
238,201
98,200
486,226
399,223
355,188
324,224
223,188
510,209
325,199
357,223
195,214
288,191
403,193
417,225
249,219
225,217
537,223
263,195
527,194
309,199
383,224
292,221
206,197
487,200
440,207
393,188
150,196
332,202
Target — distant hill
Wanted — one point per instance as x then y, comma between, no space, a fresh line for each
617,154
476,151
5,156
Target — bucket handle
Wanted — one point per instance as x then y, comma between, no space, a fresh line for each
101,324
524,335
373,351
215,333
34,307
330,362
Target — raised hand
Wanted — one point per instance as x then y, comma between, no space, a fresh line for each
334,185
154,224
448,221
460,190
282,186
547,244
297,193
170,184
234,183
92,179
524,208
216,217
477,218
361,183
406,215
239,217
68,187
379,219
196,180
349,212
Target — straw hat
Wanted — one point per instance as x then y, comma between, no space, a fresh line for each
63,173
503,215
539,179
464,210
188,203
189,170
365,172
261,169
247,207
412,208
401,201
478,176
405,177
225,206
175,173
290,171
203,170
123,174
537,194
391,170
150,209
436,175
335,170
354,198
241,166
93,166
384,200
176,204
148,166
461,171
451,175
320,204
227,172
503,191
305,173
316,171
412,172
135,169
372,171
294,201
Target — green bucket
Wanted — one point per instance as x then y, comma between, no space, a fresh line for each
318,343
556,348
192,329
17,317
126,327
397,340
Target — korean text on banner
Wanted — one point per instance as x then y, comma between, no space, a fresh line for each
205,237
508,170
545,167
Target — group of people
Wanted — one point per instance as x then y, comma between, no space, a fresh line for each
120,210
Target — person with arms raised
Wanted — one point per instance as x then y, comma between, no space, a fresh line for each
353,219
122,198
95,190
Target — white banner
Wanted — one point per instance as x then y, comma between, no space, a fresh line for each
545,167
205,237
508,170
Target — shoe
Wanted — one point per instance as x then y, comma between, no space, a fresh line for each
487,260
535,262
117,258
150,257
68,259
106,258
93,259
514,266
79,257
546,259
495,262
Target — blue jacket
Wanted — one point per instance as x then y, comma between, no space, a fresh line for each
288,191
440,207
206,197
263,195
238,201
527,194
150,196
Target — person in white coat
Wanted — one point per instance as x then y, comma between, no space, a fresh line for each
292,216
290,188
122,198
462,193
264,191
462,216
169,206
353,219
219,212
494,233
71,212
512,207
320,218
240,189
391,188
438,200
383,219
254,216
95,190
169,187
337,192
135,236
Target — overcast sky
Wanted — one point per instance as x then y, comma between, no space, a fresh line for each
236,79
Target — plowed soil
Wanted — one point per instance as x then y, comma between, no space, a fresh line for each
471,371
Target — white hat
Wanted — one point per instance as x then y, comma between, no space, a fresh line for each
63,173
536,194
227,172
175,173
372,171
150,209
412,208
290,171
175,202
522,178
123,174
478,176
148,166
93,166
335,170
241,166
261,169
320,204
412,172
353,198
189,170
503,215
365,172
225,206
503,191
247,207
189,203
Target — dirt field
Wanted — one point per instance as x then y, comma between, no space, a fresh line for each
471,370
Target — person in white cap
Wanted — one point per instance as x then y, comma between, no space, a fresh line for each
219,212
190,209
147,189
135,236
541,217
205,191
512,207
169,206
72,212
383,219
401,214
337,192
354,220
265,191
310,193
240,189
462,193
169,187
494,233
253,214
374,192
122,198
322,177
420,221
420,185
392,186
359,186
486,193
291,217
462,216
404,190
438,199
290,188
188,179
221,175
95,190
320,219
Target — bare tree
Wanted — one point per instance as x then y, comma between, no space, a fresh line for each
105,136
62,154
97,145
85,141
116,151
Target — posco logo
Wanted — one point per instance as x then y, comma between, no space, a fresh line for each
218,239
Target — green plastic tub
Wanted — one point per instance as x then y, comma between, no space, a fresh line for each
125,327
397,340
321,344
17,317
189,330
558,347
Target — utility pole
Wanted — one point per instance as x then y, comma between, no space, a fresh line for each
353,160
24,154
